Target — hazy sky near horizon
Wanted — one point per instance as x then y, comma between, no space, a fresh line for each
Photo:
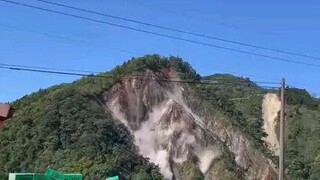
36,38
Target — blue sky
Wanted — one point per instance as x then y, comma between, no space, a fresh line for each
291,25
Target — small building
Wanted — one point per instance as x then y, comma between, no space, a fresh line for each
6,112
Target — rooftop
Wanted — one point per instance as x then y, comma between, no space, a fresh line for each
5,110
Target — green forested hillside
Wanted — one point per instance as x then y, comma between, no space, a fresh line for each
68,128
303,136
69,131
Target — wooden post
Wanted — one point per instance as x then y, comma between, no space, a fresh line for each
282,132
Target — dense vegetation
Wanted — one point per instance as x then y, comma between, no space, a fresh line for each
303,132
240,99
70,132
66,126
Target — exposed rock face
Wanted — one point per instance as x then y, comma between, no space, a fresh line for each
270,174
252,162
270,108
170,134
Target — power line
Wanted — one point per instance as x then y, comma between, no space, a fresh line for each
163,35
57,71
47,71
89,75
91,44
110,48
179,30
269,87
103,76
67,39
244,98
97,74
135,75
199,123
188,16
75,40
47,68
248,75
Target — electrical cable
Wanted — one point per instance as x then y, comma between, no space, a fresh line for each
164,35
179,30
98,74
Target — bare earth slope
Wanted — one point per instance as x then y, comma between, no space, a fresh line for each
170,134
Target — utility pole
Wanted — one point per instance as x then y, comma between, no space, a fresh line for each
282,132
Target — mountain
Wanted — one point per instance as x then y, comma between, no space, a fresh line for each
152,118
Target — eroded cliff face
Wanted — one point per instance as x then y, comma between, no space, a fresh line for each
169,133
252,162
270,108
